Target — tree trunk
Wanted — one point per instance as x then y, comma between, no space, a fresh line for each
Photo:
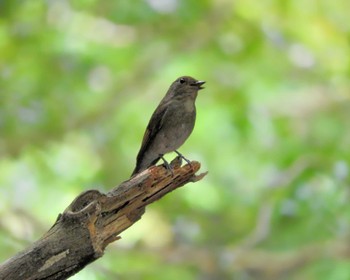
92,221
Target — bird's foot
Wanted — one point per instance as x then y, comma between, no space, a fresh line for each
185,159
167,166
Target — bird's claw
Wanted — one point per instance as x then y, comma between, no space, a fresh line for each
167,166
185,159
175,163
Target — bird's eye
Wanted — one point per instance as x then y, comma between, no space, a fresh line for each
182,80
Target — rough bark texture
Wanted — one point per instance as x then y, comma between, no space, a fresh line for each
92,221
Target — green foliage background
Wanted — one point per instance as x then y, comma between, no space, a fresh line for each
80,79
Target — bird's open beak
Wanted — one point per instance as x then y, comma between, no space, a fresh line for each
199,84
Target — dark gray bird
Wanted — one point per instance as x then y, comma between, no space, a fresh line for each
171,123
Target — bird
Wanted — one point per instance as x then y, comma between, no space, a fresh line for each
170,125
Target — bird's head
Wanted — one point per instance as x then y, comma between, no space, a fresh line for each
185,86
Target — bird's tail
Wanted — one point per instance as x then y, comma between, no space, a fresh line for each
141,166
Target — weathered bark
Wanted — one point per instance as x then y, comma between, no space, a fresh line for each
92,221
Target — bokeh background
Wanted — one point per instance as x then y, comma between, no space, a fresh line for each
80,79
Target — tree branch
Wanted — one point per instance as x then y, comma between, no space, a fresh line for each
92,221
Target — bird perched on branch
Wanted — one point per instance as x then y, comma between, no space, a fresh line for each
171,123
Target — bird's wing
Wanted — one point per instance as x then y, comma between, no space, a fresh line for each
155,124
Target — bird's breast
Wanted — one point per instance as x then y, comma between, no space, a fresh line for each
189,105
